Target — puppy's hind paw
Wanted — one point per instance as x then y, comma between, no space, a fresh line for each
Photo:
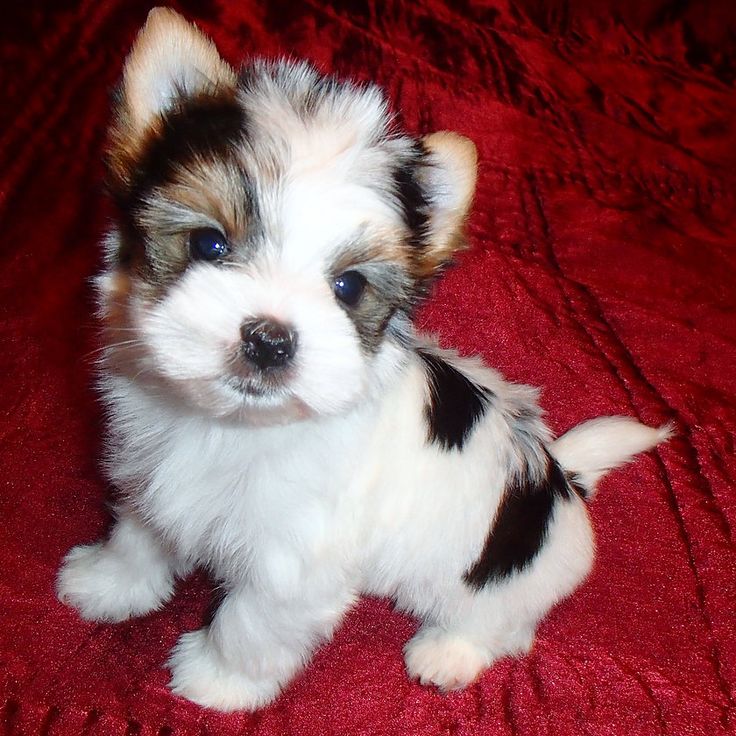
445,659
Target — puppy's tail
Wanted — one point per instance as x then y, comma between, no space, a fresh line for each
591,449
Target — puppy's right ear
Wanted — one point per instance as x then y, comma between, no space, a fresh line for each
448,181
170,60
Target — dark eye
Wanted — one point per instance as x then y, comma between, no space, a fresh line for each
207,244
349,287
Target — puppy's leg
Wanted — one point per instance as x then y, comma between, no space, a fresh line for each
127,575
255,644
472,628
452,653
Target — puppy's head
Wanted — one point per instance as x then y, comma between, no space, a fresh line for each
274,232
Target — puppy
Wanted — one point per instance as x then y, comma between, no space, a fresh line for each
274,417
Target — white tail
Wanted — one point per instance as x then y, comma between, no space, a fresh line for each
593,448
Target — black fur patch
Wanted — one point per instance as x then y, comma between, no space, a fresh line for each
205,127
521,524
412,198
202,127
218,596
455,403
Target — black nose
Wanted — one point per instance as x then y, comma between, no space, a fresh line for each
267,344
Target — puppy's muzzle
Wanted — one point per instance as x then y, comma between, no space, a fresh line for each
267,344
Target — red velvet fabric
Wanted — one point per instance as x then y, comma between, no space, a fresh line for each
602,268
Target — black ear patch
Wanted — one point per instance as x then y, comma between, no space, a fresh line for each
455,403
408,191
202,127
521,524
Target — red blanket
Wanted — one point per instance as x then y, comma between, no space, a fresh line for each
602,268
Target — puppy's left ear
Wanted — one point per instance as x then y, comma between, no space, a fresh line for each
448,182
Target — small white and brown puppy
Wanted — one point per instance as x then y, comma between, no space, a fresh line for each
273,416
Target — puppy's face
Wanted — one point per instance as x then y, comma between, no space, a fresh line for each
274,234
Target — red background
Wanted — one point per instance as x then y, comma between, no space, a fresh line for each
602,268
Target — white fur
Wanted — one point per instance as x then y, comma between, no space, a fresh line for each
297,520
593,448
129,575
301,490
171,57
194,334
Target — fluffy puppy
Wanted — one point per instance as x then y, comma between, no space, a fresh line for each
273,416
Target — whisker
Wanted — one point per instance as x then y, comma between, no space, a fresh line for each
122,343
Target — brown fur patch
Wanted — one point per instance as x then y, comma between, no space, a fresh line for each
383,246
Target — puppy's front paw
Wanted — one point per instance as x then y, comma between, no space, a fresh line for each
103,586
199,674
445,659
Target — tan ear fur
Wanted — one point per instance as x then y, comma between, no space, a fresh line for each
450,184
170,57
